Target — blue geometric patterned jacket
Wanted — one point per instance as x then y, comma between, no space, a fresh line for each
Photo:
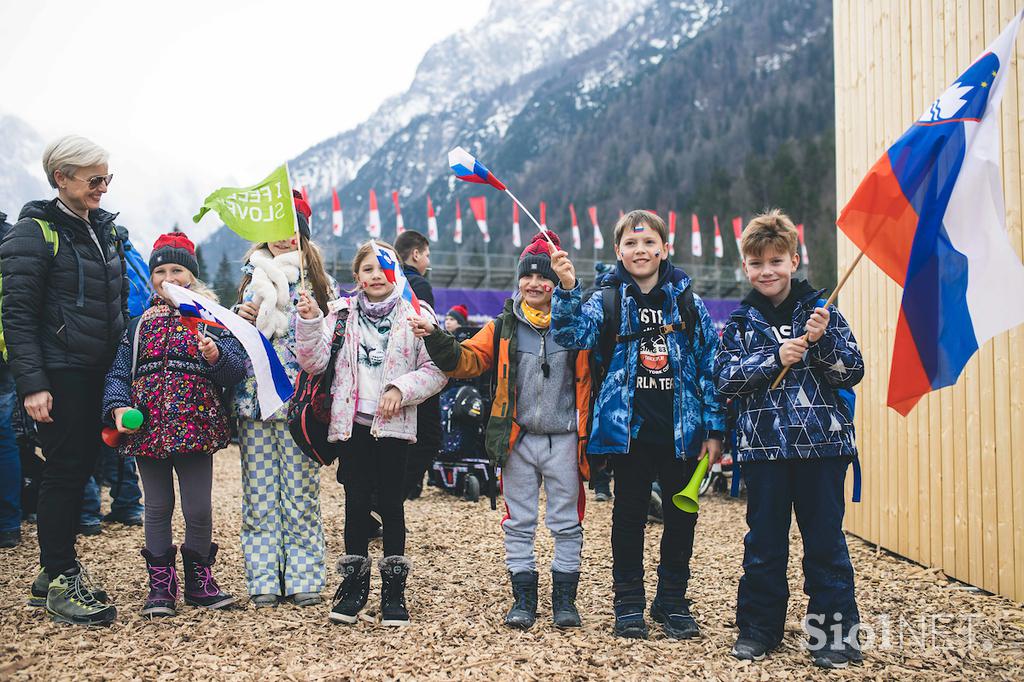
696,407
805,417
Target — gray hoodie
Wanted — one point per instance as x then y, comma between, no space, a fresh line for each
544,404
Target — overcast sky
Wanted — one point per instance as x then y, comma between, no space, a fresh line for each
197,85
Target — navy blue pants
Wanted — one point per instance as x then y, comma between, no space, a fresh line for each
813,488
10,457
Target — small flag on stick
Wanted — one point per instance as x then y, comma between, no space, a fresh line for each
388,260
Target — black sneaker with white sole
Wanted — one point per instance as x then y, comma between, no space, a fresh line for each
747,649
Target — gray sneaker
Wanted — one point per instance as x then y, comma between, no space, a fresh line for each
264,601
307,599
69,600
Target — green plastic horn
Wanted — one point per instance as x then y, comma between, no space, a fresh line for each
686,499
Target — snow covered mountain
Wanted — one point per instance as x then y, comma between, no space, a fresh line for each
21,172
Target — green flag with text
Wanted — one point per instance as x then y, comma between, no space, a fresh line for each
264,212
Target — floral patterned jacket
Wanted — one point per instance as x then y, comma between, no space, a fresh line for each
177,390
407,367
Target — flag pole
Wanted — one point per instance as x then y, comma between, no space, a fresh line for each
302,261
543,230
830,301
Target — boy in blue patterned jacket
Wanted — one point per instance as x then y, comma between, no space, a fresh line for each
794,444
657,410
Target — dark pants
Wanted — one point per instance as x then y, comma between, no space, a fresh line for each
71,447
814,489
195,486
123,477
428,442
634,474
374,464
10,458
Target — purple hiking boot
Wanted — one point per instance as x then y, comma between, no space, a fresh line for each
163,584
200,587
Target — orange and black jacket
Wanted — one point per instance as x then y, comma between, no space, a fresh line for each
476,356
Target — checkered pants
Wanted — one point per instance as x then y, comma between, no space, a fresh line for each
282,532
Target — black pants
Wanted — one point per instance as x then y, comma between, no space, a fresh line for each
634,474
813,488
71,446
371,464
428,442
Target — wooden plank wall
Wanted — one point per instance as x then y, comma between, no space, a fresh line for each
945,485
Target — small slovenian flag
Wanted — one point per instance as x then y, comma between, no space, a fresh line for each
467,168
431,221
393,272
273,388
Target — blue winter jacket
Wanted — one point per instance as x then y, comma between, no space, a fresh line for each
696,407
805,417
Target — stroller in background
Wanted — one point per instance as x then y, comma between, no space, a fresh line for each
462,466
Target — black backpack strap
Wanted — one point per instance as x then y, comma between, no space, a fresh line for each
133,333
493,384
611,308
337,341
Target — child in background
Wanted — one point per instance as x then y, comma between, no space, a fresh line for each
382,372
536,431
457,317
282,531
794,445
657,410
176,380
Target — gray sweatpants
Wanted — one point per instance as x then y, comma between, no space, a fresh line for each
551,460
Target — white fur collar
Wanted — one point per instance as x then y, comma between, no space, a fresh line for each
271,277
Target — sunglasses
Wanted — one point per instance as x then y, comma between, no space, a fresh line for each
96,180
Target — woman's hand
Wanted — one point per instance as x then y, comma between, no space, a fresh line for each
38,406
307,306
118,414
208,347
422,326
390,403
563,267
248,311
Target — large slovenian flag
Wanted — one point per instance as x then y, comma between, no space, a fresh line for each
930,214
273,388
466,167
393,272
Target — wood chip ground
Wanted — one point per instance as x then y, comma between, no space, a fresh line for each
923,625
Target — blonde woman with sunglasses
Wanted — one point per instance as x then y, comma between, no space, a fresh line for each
65,298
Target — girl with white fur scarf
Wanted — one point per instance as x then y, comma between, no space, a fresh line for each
282,531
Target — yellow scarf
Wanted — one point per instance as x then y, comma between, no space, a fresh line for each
536,317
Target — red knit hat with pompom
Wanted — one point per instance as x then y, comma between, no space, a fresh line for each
536,257
174,247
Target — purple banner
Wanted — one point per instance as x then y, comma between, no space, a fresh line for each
484,304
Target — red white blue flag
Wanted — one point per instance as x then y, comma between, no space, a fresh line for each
393,272
466,167
930,214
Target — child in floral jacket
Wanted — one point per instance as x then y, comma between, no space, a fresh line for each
175,379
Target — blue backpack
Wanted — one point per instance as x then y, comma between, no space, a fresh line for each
139,288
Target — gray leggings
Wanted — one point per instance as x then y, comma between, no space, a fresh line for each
195,484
